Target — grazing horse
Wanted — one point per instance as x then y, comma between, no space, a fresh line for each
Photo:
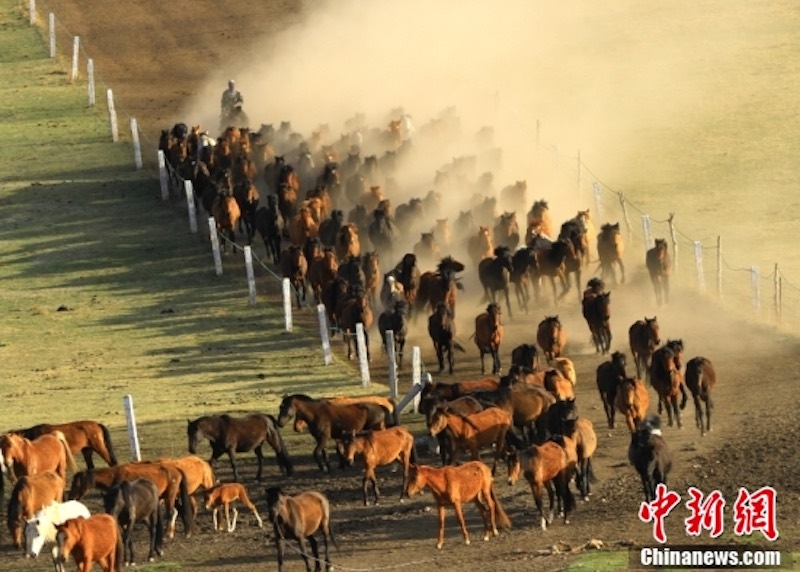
545,467
666,379
49,452
395,320
226,213
495,275
643,337
294,266
632,401
506,231
379,448
471,481
539,220
41,528
610,375
89,540
596,310
610,248
270,225
298,517
473,432
551,337
650,455
480,245
30,494
135,501
525,355
442,330
86,437
221,497
489,335
440,286
700,379
658,266
233,435
326,420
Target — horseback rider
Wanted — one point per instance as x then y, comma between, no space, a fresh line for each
231,100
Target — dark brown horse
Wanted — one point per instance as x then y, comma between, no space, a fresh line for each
297,518
356,311
454,486
551,262
247,197
667,380
551,337
322,271
610,375
442,330
700,379
135,501
86,437
226,213
596,308
395,320
526,356
270,225
495,275
643,337
610,248
489,335
294,266
440,286
231,435
408,275
473,432
658,266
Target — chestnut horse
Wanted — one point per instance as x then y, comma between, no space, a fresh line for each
86,437
700,379
473,432
440,286
221,497
551,337
610,248
347,242
489,336
379,448
30,494
298,517
49,452
89,540
322,271
539,220
226,213
632,401
666,378
41,528
471,481
480,245
658,266
643,337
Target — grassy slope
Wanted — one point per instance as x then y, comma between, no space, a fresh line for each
147,315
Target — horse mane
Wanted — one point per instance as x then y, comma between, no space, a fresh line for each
463,416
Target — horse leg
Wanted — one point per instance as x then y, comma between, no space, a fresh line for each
232,457
508,301
321,456
373,479
536,490
280,545
87,456
460,516
451,360
709,407
151,525
483,366
260,456
304,550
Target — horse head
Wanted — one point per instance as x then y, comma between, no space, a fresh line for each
652,331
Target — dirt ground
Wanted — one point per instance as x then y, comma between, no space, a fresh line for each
754,439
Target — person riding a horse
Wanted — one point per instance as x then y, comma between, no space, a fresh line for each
231,98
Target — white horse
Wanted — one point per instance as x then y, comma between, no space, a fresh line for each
42,527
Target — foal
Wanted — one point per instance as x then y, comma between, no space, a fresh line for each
221,497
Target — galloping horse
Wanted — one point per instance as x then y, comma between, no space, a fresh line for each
632,401
658,266
610,248
643,337
495,275
322,271
356,310
650,455
270,225
395,320
90,540
610,375
86,437
471,481
551,261
506,231
135,501
480,245
246,195
539,221
347,242
581,430
551,337
700,379
294,266
298,517
442,330
596,310
666,378
489,336
226,213
233,435
440,286
330,227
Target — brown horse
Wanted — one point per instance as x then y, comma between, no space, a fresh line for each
581,431
610,375
86,437
489,336
539,219
545,467
658,266
558,385
442,330
288,191
610,248
632,401
666,379
427,249
471,481
222,497
440,286
30,494
408,275
89,540
302,226
473,432
49,452
551,337
525,355
198,475
247,197
135,501
327,421
506,231
379,448
480,245
443,233
643,337
356,310
226,213
298,517
322,271
231,435
371,266
596,309
551,262
347,242
294,266
700,379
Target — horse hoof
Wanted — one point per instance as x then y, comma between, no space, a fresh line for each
439,545
466,542
486,538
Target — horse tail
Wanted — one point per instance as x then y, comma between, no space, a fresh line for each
499,512
67,452
389,417
127,498
186,506
326,508
112,457
276,441
459,347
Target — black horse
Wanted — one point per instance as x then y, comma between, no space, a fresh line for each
610,375
270,224
396,320
136,501
233,435
597,313
650,455
442,330
495,275
381,233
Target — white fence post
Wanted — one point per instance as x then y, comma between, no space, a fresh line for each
755,287
251,279
598,200
287,304
52,23
163,176
324,334
112,116
416,372
212,234
190,205
392,363
698,263
133,434
648,233
76,48
137,147
90,77
361,344
32,12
